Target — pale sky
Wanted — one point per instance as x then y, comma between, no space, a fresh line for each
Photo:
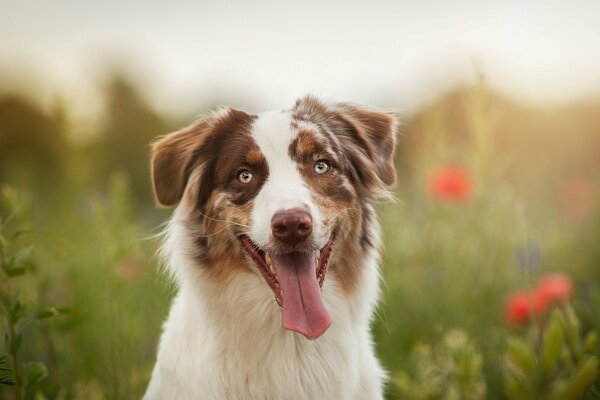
186,52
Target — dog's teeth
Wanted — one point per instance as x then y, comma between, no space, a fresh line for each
269,262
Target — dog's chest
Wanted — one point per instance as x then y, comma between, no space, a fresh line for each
254,358
289,369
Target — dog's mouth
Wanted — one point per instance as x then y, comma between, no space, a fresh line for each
296,278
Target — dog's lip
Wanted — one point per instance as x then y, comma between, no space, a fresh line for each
259,257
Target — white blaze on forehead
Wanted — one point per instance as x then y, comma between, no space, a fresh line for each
284,188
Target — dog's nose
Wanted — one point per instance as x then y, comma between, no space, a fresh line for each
291,226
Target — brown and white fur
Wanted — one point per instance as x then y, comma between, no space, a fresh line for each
228,175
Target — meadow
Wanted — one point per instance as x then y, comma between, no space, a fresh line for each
491,266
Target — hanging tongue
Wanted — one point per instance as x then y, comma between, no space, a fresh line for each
303,310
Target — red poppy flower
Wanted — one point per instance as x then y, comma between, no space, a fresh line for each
551,289
450,183
518,308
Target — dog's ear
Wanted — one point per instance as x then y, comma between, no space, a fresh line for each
173,159
374,132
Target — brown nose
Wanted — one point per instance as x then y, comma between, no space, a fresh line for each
291,226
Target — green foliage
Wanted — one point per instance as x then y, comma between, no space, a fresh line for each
554,362
34,372
16,261
111,280
5,372
451,371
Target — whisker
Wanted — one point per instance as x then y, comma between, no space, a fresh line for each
211,234
340,213
224,221
230,240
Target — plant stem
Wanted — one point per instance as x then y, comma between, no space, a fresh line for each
14,358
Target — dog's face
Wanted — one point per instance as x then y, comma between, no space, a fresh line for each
281,194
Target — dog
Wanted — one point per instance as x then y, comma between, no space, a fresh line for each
274,246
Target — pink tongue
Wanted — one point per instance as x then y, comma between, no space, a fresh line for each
303,310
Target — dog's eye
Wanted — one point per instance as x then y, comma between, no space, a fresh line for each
321,167
245,177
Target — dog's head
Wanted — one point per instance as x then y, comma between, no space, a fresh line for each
282,194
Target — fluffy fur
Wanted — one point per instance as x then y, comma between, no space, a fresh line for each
223,338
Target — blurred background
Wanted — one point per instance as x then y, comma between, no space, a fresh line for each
492,250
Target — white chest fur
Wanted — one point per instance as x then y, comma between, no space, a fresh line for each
230,345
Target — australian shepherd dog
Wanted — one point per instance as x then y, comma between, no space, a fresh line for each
274,246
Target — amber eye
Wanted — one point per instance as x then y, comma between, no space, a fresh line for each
245,177
321,167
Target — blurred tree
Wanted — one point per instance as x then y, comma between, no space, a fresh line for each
129,126
32,146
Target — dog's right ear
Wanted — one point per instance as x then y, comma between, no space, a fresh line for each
173,159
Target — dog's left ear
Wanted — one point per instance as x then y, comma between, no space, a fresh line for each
179,155
173,160
374,132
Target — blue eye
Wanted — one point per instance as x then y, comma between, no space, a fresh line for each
321,167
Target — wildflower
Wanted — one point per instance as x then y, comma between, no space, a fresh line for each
131,268
551,289
450,183
518,308
575,199
528,258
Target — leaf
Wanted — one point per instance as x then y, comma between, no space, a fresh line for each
589,343
16,271
17,311
54,312
517,388
34,372
6,380
17,234
522,356
551,345
558,389
573,332
4,364
582,380
22,254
